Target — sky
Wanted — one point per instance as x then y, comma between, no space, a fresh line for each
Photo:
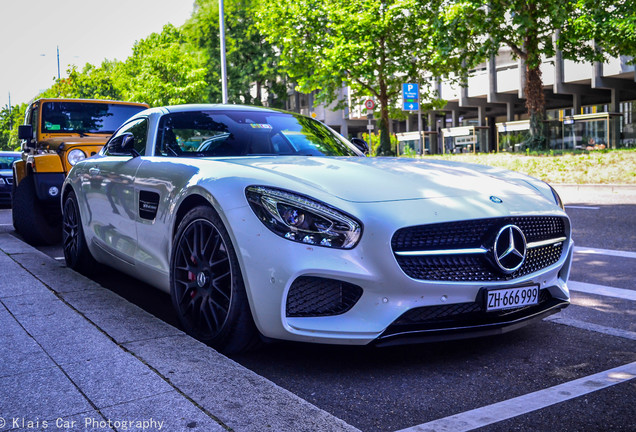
86,31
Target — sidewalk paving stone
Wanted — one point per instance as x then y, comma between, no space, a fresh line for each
120,319
115,380
15,281
58,277
239,397
43,314
42,394
19,352
173,409
78,423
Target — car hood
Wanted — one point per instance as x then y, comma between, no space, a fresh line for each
391,179
53,143
6,172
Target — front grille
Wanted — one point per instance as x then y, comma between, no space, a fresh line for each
314,297
475,234
9,180
475,268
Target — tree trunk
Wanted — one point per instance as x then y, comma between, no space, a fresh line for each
385,137
535,102
535,99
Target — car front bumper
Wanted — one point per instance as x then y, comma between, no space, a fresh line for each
272,265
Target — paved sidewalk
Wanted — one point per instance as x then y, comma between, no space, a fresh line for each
75,356
597,193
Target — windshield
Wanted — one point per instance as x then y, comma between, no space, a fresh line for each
85,117
6,161
246,133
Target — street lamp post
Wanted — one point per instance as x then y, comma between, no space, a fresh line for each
223,67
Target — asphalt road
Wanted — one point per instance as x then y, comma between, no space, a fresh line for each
400,387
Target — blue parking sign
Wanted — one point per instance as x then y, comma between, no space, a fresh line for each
410,106
410,91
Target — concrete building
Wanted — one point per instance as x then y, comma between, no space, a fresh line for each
587,106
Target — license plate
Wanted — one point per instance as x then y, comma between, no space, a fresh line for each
510,298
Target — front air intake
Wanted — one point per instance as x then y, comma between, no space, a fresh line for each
311,296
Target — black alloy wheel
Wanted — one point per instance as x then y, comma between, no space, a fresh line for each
76,252
70,224
207,288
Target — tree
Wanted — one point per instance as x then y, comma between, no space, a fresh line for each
474,30
90,83
164,69
372,46
252,63
10,119
611,24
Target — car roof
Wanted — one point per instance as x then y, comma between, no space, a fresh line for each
99,101
169,109
216,107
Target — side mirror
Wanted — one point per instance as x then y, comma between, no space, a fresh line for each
360,145
128,144
25,132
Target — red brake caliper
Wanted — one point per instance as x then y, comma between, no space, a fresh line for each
192,277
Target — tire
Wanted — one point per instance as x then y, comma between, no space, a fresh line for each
76,252
37,223
207,287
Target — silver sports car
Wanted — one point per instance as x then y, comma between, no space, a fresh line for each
260,222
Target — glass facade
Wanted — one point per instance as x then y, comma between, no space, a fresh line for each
465,139
592,132
409,143
628,127
514,136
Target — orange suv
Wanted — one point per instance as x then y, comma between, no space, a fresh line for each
56,135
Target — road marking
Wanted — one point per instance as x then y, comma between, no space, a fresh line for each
582,207
626,334
609,252
602,290
510,408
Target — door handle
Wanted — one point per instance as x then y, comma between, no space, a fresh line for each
93,171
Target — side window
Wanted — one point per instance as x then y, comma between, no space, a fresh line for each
33,121
138,129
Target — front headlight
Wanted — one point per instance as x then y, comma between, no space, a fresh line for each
557,198
74,156
303,220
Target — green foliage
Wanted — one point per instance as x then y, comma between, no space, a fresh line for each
9,122
252,62
611,24
374,140
474,30
163,70
372,46
182,65
90,83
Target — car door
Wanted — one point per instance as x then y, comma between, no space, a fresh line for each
158,184
112,199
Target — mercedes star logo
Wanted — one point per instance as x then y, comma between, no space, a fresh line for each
510,248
